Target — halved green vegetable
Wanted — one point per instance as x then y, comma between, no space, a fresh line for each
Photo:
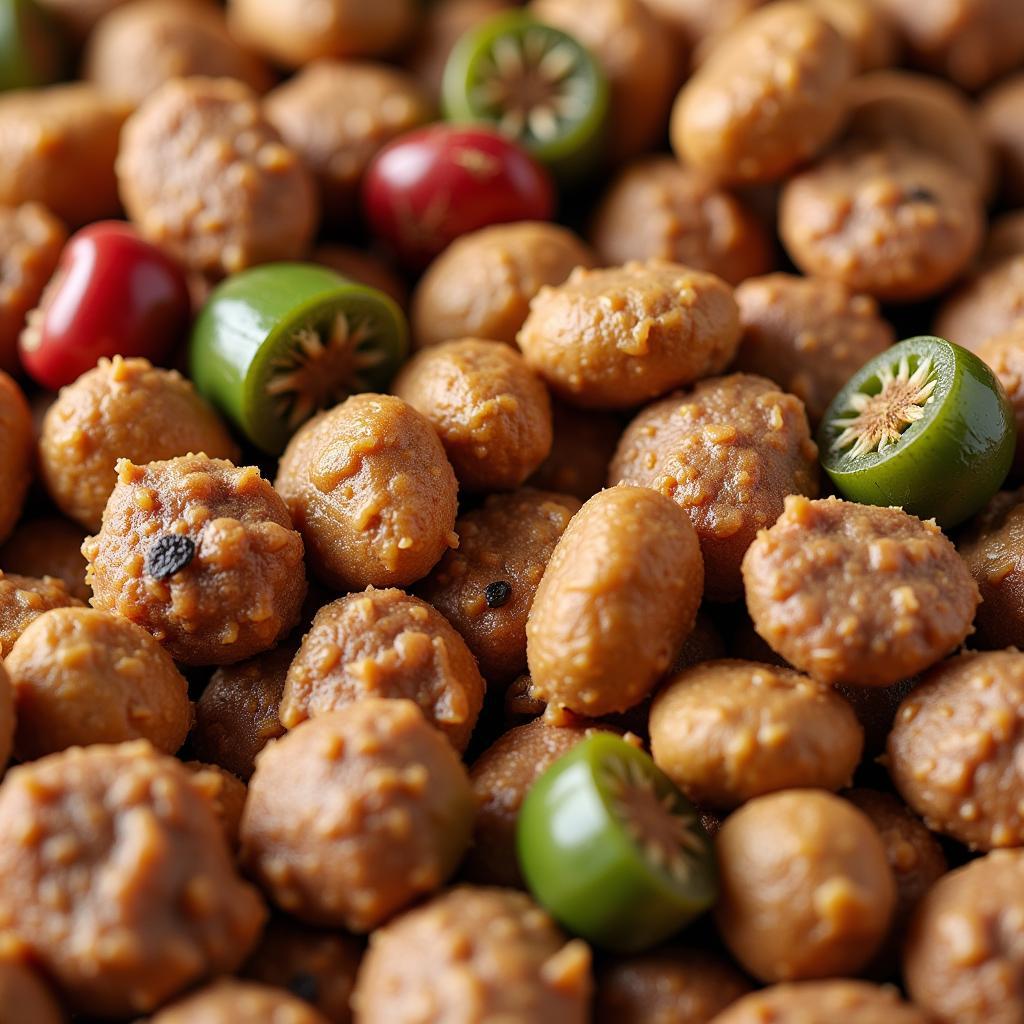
31,48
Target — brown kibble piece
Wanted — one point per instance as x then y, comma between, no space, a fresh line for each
990,302
239,1002
48,547
17,453
823,1002
1000,116
24,999
6,725
23,599
226,794
867,29
1004,355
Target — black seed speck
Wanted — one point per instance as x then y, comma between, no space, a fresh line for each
305,986
919,195
496,594
169,554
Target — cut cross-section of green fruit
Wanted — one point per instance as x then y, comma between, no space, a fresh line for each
924,425
533,82
280,342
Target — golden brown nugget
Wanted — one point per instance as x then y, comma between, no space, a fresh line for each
372,493
523,968
728,453
23,599
239,1002
205,176
48,547
122,409
857,594
805,887
988,303
658,209
618,598
768,97
355,814
24,997
491,411
17,453
1000,117
485,587
481,286
611,339
384,643
178,911
727,731
202,555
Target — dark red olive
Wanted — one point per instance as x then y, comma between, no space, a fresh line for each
113,294
431,185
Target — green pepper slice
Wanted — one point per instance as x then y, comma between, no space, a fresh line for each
924,425
612,849
534,83
31,49
277,343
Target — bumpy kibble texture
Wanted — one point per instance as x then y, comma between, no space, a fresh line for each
240,1002
122,409
583,445
23,599
728,453
24,997
857,594
48,547
617,337
492,950
225,793
205,176
371,491
117,878
1004,355
202,555
355,814
17,453
618,598
988,303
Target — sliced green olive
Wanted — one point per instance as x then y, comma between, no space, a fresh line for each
612,849
31,50
536,84
278,343
924,425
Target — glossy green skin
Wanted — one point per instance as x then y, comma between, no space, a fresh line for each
31,50
948,464
248,322
582,866
572,154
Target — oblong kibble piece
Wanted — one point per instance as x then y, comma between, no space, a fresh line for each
485,587
384,643
17,454
962,961
200,553
617,600
521,966
728,453
806,891
355,814
23,599
491,411
823,1002
372,493
122,409
23,994
957,745
857,594
117,878
768,97
240,1002
614,338
205,176
727,731
82,676
50,546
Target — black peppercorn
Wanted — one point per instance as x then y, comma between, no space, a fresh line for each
169,554
496,594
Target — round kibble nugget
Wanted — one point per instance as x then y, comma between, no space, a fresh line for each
137,48
618,598
808,334
486,586
657,209
240,1002
23,599
384,643
236,717
768,97
122,409
727,731
496,944
201,554
59,147
23,996
205,176
48,547
1000,116
482,284
117,878
805,888
372,493
6,717
956,749
491,411
823,1002
336,115
226,795
963,961
17,453
1004,354
857,594
614,338
988,303
318,966
81,676
728,453
896,222
355,814
672,985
